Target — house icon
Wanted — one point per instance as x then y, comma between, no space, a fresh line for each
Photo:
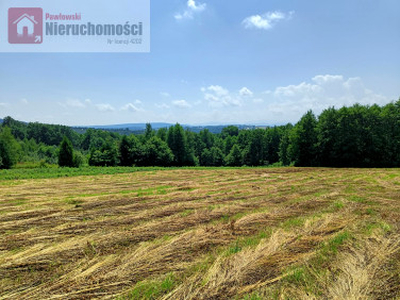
25,25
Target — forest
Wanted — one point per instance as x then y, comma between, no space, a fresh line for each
357,136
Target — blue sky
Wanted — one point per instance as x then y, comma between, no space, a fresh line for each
215,61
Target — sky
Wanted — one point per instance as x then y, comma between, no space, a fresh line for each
218,62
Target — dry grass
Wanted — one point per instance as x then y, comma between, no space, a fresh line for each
203,234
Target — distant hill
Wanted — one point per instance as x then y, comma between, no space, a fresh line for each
215,128
132,126
139,128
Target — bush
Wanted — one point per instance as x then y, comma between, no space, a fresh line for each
79,160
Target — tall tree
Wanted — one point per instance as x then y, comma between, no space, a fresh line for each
66,153
284,156
255,154
390,114
207,138
327,132
149,132
273,139
229,142
130,151
9,149
303,141
191,159
178,144
350,138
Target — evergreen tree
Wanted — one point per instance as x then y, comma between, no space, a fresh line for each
148,133
66,153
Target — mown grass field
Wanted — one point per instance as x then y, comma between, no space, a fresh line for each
283,233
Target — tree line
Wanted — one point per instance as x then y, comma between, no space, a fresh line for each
356,136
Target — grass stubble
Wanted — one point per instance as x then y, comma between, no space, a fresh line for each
203,234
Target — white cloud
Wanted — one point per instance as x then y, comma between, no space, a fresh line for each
196,7
266,21
287,103
217,96
192,8
217,89
181,104
245,92
105,108
137,101
322,92
303,90
130,107
3,104
324,79
24,101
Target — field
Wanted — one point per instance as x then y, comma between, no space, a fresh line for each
282,233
